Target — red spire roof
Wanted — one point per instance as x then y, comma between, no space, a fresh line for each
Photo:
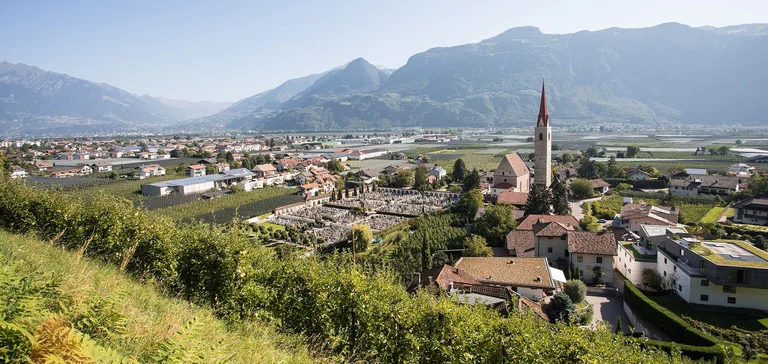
543,119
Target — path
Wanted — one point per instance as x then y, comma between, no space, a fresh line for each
608,309
576,209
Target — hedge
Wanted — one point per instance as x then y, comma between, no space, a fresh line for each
693,343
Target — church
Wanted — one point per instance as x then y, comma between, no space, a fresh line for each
512,175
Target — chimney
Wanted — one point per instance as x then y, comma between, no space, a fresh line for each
417,278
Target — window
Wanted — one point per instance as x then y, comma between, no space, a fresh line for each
629,270
579,259
541,136
705,283
674,268
549,250
729,289
680,287
741,276
599,260
704,298
665,260
665,273
732,300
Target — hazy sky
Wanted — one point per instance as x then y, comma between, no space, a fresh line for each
226,50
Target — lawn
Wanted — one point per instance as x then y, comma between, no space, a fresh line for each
275,227
678,306
713,215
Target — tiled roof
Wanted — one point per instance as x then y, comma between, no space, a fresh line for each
516,163
518,272
442,276
530,220
523,242
643,210
264,168
513,198
599,183
552,229
591,243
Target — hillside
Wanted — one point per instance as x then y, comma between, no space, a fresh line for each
42,287
34,101
667,73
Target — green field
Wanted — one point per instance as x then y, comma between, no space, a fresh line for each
43,287
203,207
713,215
128,189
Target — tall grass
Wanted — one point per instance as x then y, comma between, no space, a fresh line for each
149,320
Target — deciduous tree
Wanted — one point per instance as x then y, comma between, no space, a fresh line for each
475,246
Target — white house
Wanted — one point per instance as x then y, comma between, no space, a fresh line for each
18,172
741,170
196,170
101,166
638,175
751,211
588,250
717,273
151,170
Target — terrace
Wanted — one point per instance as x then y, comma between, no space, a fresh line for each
730,253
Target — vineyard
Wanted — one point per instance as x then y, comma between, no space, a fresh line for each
252,203
245,211
126,188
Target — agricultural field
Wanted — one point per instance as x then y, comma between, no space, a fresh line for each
244,204
126,188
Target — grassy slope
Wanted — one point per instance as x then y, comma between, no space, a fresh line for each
151,318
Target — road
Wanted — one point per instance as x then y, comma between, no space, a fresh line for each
576,209
608,309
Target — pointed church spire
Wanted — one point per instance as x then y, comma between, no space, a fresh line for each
543,119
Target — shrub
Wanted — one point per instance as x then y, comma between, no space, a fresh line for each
693,342
561,308
581,189
576,290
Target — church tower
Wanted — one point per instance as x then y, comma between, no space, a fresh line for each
542,175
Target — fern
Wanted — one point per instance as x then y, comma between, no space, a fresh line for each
188,345
100,317
56,342
15,342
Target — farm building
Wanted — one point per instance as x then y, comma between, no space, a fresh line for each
192,185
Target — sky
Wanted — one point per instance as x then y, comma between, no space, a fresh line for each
228,50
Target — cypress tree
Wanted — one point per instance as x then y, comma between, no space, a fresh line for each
559,193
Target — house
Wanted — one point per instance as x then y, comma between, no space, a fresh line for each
517,199
588,250
697,184
751,211
512,174
287,164
43,165
715,273
639,175
195,170
567,174
440,278
82,169
265,170
530,220
551,240
529,277
101,167
149,170
437,172
633,256
741,170
468,290
367,154
599,186
634,215
367,176
18,172
208,161
309,189
320,172
222,167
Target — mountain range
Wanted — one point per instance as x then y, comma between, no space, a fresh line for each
662,74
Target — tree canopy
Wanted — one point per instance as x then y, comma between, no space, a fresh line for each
582,188
471,181
538,200
495,223
459,170
475,246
